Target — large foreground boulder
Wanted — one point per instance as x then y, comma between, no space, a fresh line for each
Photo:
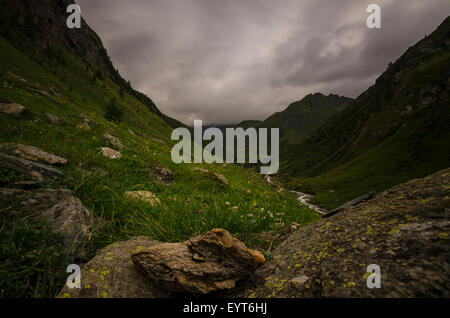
112,274
212,262
144,268
403,230
63,213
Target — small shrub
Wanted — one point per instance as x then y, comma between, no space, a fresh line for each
113,112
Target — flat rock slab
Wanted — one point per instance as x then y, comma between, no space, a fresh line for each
113,141
404,230
212,262
145,196
33,153
214,176
12,109
112,274
41,172
59,209
110,153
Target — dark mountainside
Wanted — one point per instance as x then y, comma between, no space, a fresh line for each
397,130
300,119
44,25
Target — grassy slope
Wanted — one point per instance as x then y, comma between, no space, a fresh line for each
372,146
100,182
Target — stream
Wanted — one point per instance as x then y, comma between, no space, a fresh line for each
304,199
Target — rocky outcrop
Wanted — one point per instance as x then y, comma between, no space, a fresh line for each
12,109
113,141
59,209
110,153
112,274
163,175
404,230
145,196
32,153
214,176
144,268
40,172
212,262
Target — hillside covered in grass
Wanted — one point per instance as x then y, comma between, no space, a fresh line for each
395,131
72,97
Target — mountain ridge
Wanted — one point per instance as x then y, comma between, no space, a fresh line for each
383,134
301,118
44,24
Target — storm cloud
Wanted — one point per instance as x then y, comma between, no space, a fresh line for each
224,61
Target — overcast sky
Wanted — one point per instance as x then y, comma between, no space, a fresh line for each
224,61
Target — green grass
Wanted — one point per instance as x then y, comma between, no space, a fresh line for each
100,182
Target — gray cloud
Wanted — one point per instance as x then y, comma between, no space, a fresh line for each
224,61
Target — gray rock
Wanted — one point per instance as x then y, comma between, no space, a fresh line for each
158,140
53,118
33,153
110,153
404,230
163,175
112,274
85,118
59,209
214,176
113,141
12,109
145,196
38,171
